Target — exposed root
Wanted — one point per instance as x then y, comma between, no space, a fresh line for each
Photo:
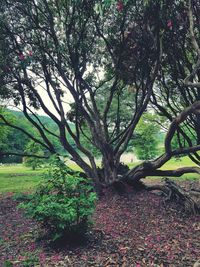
190,200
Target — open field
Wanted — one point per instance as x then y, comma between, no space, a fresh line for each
18,178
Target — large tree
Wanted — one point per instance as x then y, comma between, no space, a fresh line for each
96,53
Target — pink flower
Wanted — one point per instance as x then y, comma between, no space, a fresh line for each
56,258
42,258
21,57
169,24
32,247
138,265
30,53
120,6
21,258
84,257
158,238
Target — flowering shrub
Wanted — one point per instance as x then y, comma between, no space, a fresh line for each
63,203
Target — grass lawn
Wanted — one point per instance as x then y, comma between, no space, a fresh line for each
18,178
179,163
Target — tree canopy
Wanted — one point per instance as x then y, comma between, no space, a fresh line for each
105,56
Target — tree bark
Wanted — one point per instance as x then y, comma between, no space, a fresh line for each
109,166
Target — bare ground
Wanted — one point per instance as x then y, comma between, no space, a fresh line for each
132,230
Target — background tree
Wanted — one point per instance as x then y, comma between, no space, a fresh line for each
15,140
34,149
12,140
146,138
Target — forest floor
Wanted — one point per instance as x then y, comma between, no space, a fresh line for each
133,230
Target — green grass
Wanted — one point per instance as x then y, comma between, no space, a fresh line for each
179,163
18,178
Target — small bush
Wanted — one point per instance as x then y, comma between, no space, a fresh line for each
63,203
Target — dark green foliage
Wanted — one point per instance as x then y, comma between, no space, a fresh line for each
63,203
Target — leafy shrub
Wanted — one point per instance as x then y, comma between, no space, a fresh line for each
63,203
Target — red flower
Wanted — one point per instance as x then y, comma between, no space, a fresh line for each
21,57
169,24
120,5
